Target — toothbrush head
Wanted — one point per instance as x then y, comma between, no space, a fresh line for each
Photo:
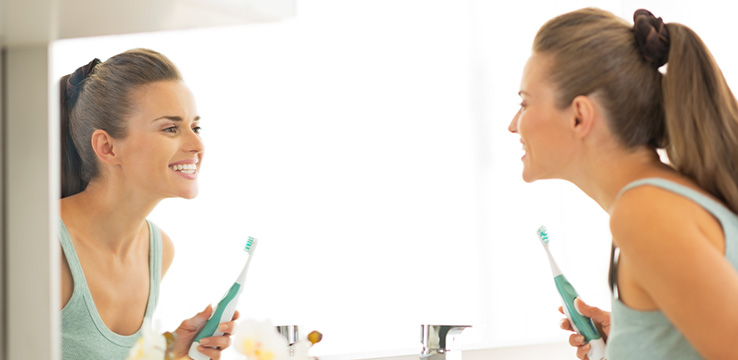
250,245
543,235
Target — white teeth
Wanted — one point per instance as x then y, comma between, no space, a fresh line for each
185,168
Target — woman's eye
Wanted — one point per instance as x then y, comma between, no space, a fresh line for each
171,129
196,129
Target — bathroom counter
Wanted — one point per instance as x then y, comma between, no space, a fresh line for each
548,351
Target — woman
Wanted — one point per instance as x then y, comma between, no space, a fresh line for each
595,108
130,138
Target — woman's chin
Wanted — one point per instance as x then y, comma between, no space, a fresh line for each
189,193
528,176
190,196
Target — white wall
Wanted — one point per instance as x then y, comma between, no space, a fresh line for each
28,195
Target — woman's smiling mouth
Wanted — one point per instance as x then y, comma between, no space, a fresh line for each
186,168
189,169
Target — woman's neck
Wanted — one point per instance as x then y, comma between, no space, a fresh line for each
108,216
606,172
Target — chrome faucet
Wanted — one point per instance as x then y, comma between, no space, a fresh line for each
434,339
291,333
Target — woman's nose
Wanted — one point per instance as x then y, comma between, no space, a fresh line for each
513,127
194,142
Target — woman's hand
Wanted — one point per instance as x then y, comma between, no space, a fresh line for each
210,346
600,318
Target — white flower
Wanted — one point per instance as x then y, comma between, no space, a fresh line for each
259,340
150,346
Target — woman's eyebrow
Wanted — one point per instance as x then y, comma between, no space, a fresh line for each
174,118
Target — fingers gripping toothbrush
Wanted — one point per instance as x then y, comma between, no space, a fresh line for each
226,307
581,324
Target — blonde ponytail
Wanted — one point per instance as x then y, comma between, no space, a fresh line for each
701,117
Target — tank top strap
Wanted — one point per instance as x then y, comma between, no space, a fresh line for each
78,276
155,255
711,205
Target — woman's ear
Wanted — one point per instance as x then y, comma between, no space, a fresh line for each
102,144
584,112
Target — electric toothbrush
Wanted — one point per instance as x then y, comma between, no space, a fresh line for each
226,307
581,324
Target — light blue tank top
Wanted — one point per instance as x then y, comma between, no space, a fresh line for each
84,335
649,335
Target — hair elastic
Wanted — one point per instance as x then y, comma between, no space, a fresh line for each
652,37
77,79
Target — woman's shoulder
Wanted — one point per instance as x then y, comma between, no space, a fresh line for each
650,212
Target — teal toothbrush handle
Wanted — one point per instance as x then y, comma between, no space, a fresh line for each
223,313
581,324
211,327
